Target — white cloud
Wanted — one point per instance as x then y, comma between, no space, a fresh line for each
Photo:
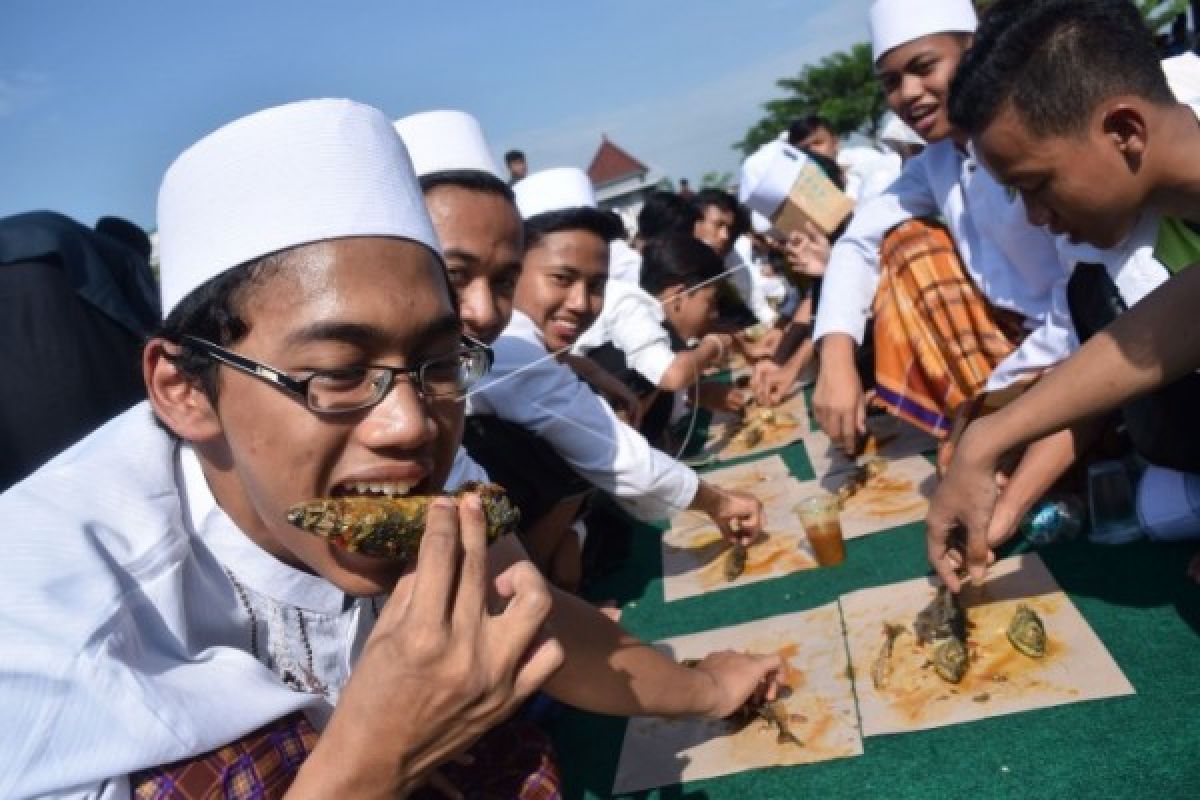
693,132
21,88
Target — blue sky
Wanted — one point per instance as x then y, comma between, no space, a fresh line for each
97,98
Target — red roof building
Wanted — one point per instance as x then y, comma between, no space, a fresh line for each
621,181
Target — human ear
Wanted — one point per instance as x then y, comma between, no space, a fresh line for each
1125,126
177,398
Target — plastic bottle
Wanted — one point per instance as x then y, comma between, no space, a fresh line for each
1054,519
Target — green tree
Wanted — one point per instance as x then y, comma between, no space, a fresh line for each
1158,13
842,88
716,180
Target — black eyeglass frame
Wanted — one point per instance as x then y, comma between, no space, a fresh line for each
299,387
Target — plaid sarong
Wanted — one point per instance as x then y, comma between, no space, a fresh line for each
259,766
937,339
514,760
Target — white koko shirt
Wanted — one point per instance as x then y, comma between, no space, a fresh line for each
529,387
631,321
124,643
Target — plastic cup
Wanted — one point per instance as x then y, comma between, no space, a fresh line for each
1111,502
822,525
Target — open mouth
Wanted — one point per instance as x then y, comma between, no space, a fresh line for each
922,118
372,489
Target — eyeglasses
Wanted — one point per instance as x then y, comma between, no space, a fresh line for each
339,391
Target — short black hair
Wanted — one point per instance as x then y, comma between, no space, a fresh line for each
513,155
678,259
803,127
215,311
473,179
714,197
605,224
1055,61
664,212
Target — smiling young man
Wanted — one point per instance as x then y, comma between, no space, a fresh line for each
963,314
1068,104
570,440
165,630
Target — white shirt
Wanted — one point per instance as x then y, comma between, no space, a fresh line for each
632,321
859,167
624,263
530,388
747,278
124,644
1014,264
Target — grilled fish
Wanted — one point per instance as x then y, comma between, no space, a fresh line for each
735,562
944,624
881,669
391,527
1027,633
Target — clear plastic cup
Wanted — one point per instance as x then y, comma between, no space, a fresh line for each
823,526
1112,504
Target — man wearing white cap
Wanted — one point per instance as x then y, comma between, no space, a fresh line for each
164,630
963,312
534,405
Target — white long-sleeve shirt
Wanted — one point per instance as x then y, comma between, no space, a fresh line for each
632,321
1014,264
528,387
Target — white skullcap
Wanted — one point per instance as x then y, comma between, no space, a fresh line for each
897,22
755,167
438,141
287,176
894,133
554,190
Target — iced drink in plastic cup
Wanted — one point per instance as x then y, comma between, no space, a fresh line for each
819,516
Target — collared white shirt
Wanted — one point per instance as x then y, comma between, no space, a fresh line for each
631,321
125,643
747,278
529,387
1014,264
867,170
624,263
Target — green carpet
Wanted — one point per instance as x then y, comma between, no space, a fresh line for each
1135,597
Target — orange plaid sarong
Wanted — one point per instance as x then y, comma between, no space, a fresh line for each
937,340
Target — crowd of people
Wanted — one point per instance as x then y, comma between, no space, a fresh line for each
351,306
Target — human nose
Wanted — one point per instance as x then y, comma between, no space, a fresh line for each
577,298
477,307
911,88
400,420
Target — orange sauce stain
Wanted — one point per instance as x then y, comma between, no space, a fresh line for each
995,670
884,496
770,554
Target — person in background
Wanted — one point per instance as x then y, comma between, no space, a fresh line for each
78,304
569,439
963,312
859,165
517,166
1103,151
685,189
